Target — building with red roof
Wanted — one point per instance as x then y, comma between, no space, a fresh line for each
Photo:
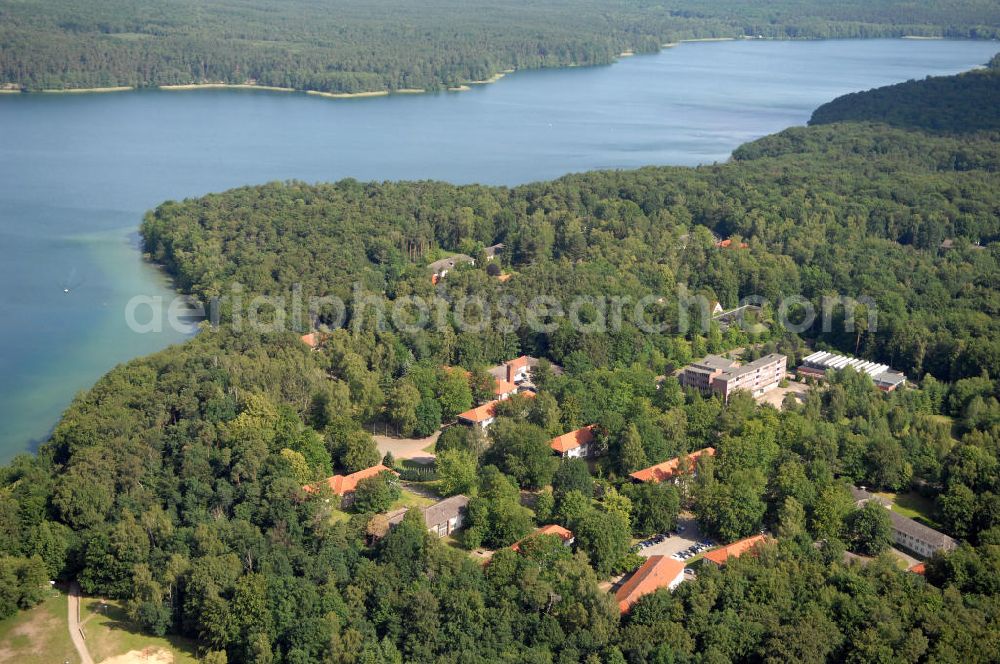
657,572
311,340
668,470
345,485
504,389
719,556
574,444
483,416
519,369
564,534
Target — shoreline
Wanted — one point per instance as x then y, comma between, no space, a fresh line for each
348,95
232,86
119,88
466,86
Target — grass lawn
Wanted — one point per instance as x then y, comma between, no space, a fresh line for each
912,505
338,515
39,635
430,448
409,498
110,633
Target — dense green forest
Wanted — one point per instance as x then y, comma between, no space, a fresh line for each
352,45
941,104
175,483
853,209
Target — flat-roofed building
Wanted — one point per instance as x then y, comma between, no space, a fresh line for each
817,364
722,376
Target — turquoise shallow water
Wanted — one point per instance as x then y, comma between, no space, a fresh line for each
78,171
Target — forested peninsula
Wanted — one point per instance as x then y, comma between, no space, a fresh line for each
175,485
348,46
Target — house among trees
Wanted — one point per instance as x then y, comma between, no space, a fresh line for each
441,267
722,376
345,485
670,469
574,444
906,532
816,365
720,556
503,389
482,417
442,518
564,534
657,572
519,370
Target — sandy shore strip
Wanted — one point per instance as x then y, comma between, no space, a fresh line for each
626,54
459,88
409,91
919,37
8,91
707,39
233,86
348,95
121,88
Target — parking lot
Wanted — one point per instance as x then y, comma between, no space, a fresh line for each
679,541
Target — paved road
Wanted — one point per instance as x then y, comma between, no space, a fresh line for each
75,632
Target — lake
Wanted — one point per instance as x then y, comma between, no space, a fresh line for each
78,171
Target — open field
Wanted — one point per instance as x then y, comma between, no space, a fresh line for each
39,635
110,634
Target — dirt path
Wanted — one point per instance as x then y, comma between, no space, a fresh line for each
407,448
75,632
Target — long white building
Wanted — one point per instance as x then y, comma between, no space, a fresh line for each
816,365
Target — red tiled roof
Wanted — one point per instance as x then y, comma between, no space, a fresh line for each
723,244
515,364
486,411
552,529
504,277
504,387
657,572
480,413
518,363
667,469
919,568
573,439
311,339
344,484
735,550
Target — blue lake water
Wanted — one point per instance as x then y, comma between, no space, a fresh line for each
78,171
